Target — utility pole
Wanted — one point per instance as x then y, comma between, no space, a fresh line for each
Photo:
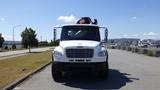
41,38
13,34
54,34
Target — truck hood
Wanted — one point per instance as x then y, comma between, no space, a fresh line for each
75,43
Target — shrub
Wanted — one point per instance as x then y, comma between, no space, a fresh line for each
6,48
112,47
157,54
129,48
119,47
150,53
13,46
136,49
145,51
123,48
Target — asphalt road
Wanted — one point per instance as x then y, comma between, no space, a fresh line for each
128,71
18,52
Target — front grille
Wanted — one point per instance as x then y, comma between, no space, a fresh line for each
79,53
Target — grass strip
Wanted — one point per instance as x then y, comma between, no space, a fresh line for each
17,67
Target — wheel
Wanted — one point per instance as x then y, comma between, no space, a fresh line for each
56,74
103,74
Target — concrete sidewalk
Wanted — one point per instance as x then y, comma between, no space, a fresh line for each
23,52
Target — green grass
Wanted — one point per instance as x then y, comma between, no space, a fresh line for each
14,68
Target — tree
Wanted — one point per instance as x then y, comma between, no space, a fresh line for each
1,40
14,46
29,38
54,43
43,43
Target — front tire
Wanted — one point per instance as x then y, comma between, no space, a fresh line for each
103,74
56,74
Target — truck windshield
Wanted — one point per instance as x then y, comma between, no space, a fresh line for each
80,33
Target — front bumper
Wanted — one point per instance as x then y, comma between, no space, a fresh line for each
66,66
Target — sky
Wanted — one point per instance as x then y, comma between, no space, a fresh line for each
123,18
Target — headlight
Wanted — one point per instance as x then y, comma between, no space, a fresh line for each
57,54
102,53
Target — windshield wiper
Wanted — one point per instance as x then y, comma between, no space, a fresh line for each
77,33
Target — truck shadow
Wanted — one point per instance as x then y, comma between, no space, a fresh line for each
115,80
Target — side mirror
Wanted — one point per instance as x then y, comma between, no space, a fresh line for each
55,33
105,34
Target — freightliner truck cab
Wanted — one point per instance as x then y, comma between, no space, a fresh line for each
80,48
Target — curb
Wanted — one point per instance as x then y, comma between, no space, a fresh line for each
50,48
12,55
18,81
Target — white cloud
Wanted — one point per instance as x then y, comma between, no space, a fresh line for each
125,35
67,19
10,38
7,37
2,19
146,35
151,35
57,25
134,18
135,35
130,36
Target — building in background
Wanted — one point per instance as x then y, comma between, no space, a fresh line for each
147,43
124,41
8,44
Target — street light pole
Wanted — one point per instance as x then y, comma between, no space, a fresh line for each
13,34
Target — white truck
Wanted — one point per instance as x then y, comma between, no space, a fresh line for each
80,48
